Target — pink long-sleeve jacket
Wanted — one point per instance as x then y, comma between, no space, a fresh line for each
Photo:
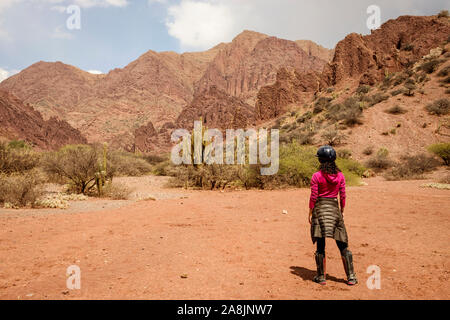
327,186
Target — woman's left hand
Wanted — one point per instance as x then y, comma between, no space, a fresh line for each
310,216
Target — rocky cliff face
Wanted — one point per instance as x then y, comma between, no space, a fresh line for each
289,87
251,61
393,47
315,50
21,121
358,59
218,110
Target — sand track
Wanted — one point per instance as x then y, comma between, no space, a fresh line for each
230,245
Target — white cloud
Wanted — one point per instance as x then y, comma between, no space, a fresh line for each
5,74
199,24
60,9
101,3
95,72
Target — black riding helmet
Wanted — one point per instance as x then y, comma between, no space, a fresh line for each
326,154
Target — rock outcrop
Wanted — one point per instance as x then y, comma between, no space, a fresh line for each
218,110
21,121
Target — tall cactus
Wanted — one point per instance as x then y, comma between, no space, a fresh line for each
100,176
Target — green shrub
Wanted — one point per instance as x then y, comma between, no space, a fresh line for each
19,144
442,150
352,170
439,107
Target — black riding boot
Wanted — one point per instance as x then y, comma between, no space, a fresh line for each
347,260
321,269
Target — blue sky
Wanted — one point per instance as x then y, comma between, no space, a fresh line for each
115,32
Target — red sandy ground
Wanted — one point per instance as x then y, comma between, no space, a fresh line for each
231,245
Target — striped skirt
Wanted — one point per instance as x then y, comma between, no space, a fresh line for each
327,221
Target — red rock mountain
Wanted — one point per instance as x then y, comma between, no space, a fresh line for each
21,121
155,88
358,60
369,58
251,61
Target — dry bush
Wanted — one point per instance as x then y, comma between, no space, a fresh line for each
78,164
14,159
430,66
305,117
374,99
397,92
129,164
210,177
21,190
408,89
363,89
396,110
368,151
323,103
302,136
412,167
154,159
117,191
333,137
344,154
350,112
380,161
439,107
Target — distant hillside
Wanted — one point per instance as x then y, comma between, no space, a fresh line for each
20,121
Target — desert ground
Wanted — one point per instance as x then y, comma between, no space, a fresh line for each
184,244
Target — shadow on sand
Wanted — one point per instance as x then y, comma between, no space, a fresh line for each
307,274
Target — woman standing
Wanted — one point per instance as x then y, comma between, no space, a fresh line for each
325,217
